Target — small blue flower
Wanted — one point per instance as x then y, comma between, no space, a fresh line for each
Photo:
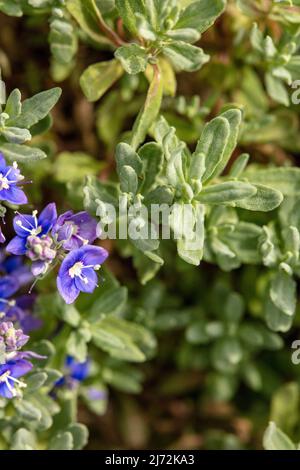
77,271
75,230
10,178
75,372
19,310
8,287
10,386
15,267
31,226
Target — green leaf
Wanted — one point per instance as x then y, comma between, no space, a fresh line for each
74,166
276,90
11,7
275,439
284,407
212,143
149,112
35,381
76,346
239,165
226,192
126,156
285,180
111,302
200,15
95,191
127,10
283,292
128,180
13,104
266,199
15,135
226,354
151,155
62,441
36,108
23,440
27,411
234,119
122,339
84,13
185,56
63,40
187,224
98,78
80,435
276,319
42,126
21,153
133,58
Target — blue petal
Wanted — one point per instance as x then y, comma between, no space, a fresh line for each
47,218
8,286
2,163
67,289
91,283
93,255
14,195
19,368
28,223
4,390
17,246
80,370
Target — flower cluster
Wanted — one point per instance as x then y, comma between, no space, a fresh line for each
13,362
46,238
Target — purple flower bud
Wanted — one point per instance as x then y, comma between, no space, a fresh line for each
75,230
39,248
13,339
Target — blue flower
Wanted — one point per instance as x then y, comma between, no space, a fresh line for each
27,226
10,386
77,272
14,266
18,310
10,178
75,230
75,372
8,287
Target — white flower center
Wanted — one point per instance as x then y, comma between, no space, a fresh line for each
3,182
6,377
76,269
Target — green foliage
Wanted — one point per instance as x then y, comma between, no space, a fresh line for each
19,120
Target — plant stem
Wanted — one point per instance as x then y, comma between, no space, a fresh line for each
115,39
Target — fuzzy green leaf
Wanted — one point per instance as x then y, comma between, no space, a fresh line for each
98,78
226,192
133,58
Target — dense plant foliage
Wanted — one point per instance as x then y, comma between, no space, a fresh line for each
150,224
